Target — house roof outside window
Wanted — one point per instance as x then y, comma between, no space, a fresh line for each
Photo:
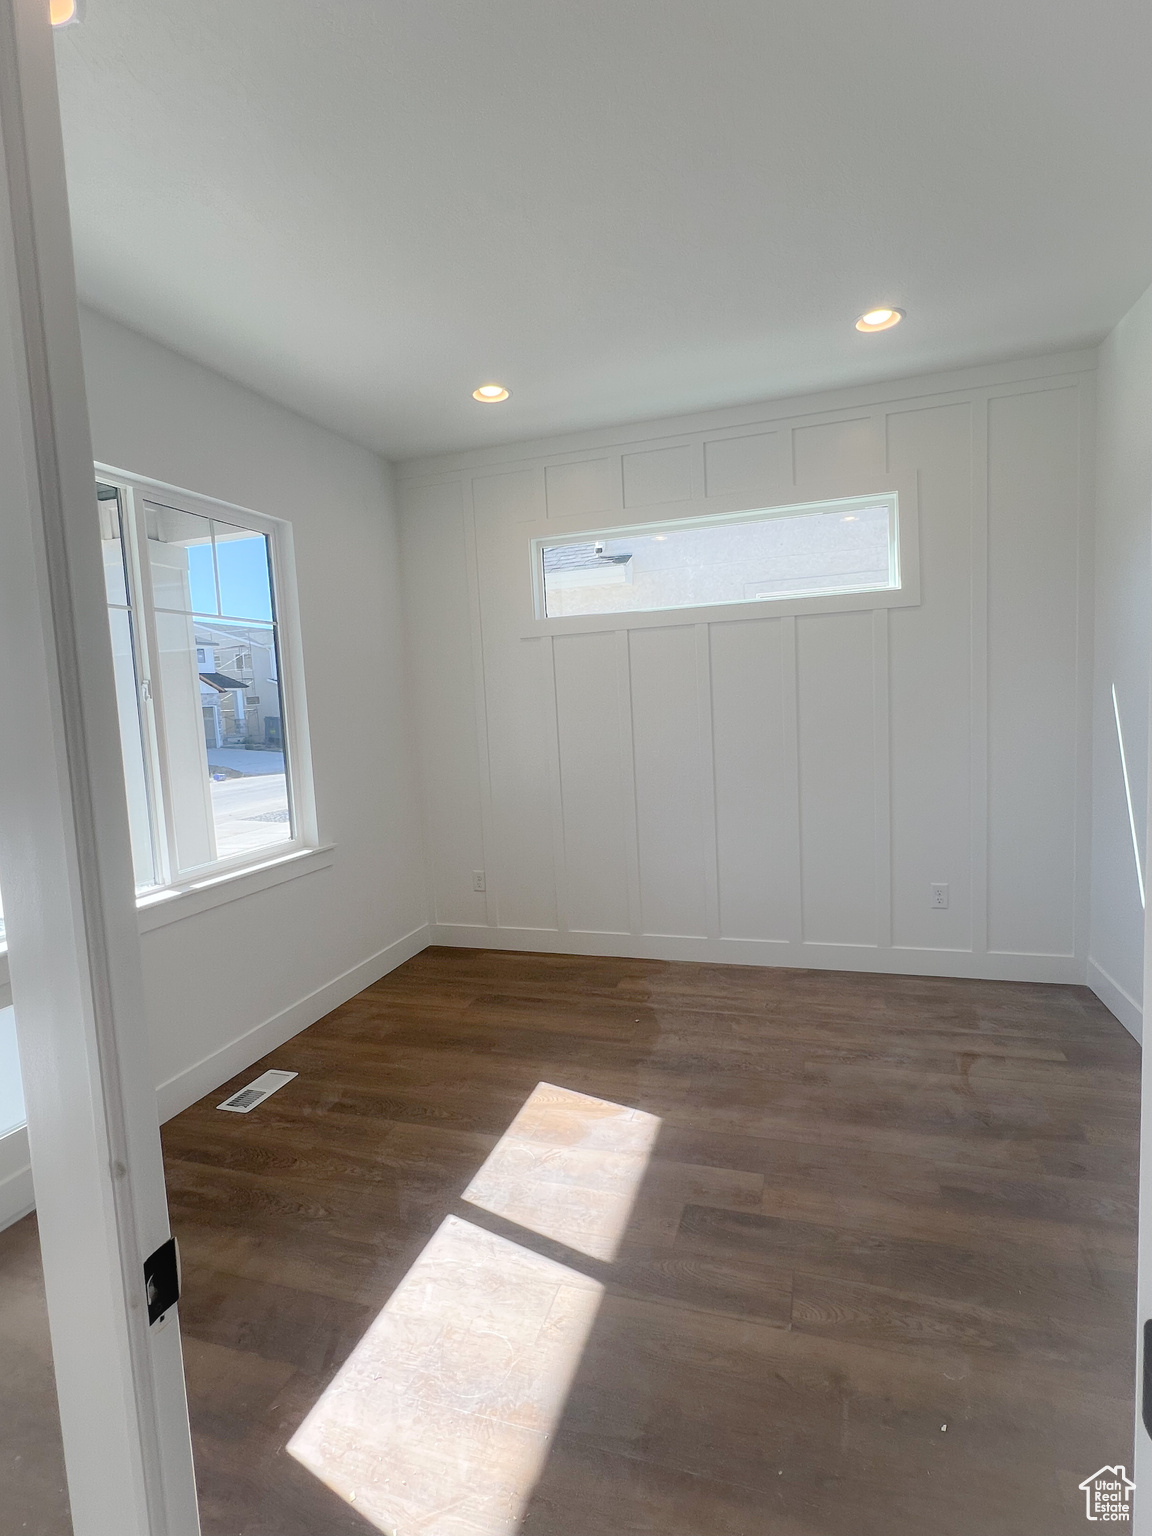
220,682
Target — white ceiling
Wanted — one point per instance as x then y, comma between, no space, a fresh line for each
618,208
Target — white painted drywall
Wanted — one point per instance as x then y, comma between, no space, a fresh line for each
1123,629
780,790
227,984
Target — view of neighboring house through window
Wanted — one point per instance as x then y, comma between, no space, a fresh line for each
195,645
815,550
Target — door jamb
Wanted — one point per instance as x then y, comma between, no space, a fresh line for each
74,947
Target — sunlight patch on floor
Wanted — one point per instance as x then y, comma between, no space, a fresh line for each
568,1167
441,1420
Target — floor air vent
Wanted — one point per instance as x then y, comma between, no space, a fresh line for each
257,1091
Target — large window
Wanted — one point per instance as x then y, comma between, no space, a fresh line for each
815,550
196,645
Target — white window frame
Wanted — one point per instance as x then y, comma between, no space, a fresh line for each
135,490
900,492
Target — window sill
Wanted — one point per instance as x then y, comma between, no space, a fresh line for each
906,596
172,906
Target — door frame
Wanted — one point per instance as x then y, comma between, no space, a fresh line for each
74,950
1142,1452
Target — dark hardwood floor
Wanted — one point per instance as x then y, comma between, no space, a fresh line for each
878,1279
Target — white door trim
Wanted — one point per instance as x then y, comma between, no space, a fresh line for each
1142,1453
66,864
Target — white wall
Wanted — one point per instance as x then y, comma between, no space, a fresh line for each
780,790
230,982
1123,588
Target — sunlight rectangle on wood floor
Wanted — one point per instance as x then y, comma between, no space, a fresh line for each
568,1167
441,1419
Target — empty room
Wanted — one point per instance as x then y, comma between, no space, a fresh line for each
576,594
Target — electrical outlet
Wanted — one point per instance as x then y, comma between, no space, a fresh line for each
478,880
939,897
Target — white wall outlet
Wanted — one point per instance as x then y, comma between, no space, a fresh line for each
939,897
478,880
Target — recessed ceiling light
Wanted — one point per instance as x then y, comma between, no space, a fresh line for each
62,13
491,394
881,319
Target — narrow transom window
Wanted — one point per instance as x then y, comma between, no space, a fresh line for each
812,550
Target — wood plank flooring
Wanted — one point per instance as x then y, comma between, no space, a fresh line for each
878,1279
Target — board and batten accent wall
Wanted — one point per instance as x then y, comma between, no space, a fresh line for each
775,790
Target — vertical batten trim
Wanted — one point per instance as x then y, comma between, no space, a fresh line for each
706,734
618,489
879,420
555,782
790,729
480,701
882,775
427,810
628,780
1085,662
699,486
980,724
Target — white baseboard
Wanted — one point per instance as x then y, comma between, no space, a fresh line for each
1116,999
16,1198
893,960
204,1076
